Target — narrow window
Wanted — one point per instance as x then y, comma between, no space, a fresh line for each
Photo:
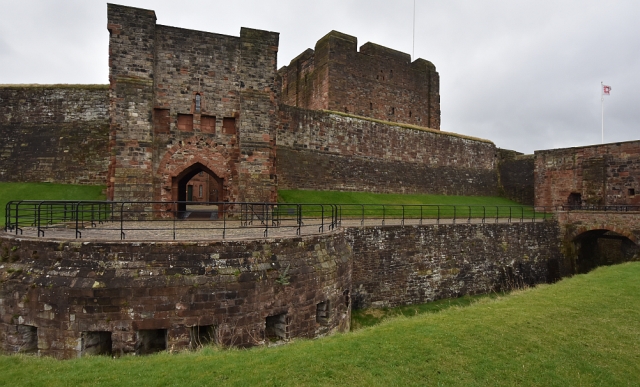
27,337
409,113
96,343
151,341
197,103
632,192
200,191
229,125
323,313
370,105
574,200
346,110
277,328
201,336
393,111
185,122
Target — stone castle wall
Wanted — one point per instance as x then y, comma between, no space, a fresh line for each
54,133
607,174
329,151
515,174
375,82
67,292
58,297
396,266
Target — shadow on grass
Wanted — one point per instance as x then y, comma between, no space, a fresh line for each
362,318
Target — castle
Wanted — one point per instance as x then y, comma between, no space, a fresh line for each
195,115
185,104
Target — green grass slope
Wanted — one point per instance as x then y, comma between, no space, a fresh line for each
46,191
465,206
303,196
582,331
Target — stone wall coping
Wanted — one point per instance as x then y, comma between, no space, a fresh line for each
555,150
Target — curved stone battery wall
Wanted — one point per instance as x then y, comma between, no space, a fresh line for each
66,299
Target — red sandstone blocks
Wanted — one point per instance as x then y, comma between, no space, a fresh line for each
376,82
597,175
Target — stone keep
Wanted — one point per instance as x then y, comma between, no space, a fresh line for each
376,82
184,102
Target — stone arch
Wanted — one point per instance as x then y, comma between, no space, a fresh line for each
599,246
595,227
186,159
179,183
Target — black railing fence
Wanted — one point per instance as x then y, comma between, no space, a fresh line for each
192,220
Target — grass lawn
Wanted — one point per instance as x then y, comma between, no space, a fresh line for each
582,331
303,196
46,191
389,205
362,318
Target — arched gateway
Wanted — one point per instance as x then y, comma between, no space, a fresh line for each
209,187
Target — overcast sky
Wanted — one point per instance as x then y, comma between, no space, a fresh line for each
524,74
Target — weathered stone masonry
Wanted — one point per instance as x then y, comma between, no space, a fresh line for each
607,174
375,82
57,297
54,133
183,98
396,266
515,176
67,292
331,151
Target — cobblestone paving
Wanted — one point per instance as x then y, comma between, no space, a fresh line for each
201,230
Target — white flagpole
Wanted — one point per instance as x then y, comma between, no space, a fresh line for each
413,49
602,107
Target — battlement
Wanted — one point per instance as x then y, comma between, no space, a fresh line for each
376,81
383,52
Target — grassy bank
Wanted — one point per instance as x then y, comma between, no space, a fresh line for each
46,191
581,331
303,196
363,318
357,204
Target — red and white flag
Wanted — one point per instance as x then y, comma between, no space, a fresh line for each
606,90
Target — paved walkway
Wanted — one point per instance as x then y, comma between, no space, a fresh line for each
201,230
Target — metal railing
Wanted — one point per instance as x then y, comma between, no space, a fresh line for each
221,220
599,207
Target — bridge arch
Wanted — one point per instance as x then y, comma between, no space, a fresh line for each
602,247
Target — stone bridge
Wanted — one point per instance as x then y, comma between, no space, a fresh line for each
595,238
